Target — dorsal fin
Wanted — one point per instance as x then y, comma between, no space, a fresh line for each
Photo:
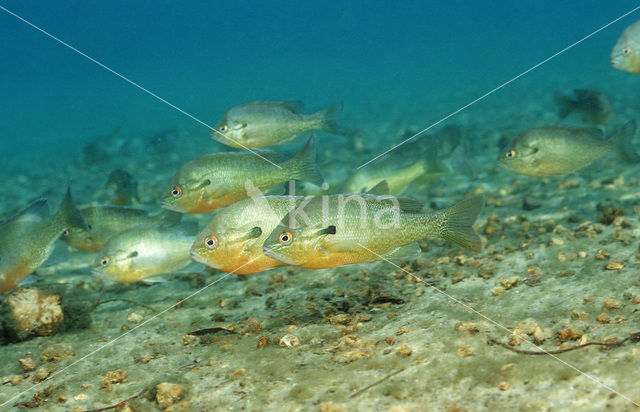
410,205
35,211
294,105
380,189
595,133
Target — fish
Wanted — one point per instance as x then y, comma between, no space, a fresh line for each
106,221
145,251
232,242
28,238
263,123
337,230
625,55
121,188
397,178
217,180
591,105
554,150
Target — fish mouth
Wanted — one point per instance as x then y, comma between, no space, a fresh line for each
502,165
197,258
166,205
277,256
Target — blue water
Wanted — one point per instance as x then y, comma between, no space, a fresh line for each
206,57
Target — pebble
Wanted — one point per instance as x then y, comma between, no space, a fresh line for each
168,394
27,364
614,265
54,353
134,317
404,350
464,351
289,341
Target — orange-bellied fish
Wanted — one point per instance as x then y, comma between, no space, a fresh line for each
27,239
556,150
233,241
106,221
217,180
337,230
145,251
625,55
260,124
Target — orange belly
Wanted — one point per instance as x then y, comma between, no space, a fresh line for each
335,259
245,266
10,279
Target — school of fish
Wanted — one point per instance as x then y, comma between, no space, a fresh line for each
359,219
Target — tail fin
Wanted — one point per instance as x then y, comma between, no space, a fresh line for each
458,223
622,142
327,119
303,166
68,215
565,104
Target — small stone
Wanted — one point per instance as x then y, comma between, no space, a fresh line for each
42,373
603,318
237,372
601,255
498,290
54,353
579,315
354,355
402,330
168,394
262,342
609,305
404,350
134,317
614,265
253,325
289,341
113,377
511,282
464,351
340,319
504,386
27,364
507,368
188,339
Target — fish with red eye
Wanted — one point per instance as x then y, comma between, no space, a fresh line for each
217,180
232,242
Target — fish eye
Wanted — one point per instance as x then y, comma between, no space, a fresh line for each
510,154
224,128
176,192
105,261
286,238
211,242
626,50
66,232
